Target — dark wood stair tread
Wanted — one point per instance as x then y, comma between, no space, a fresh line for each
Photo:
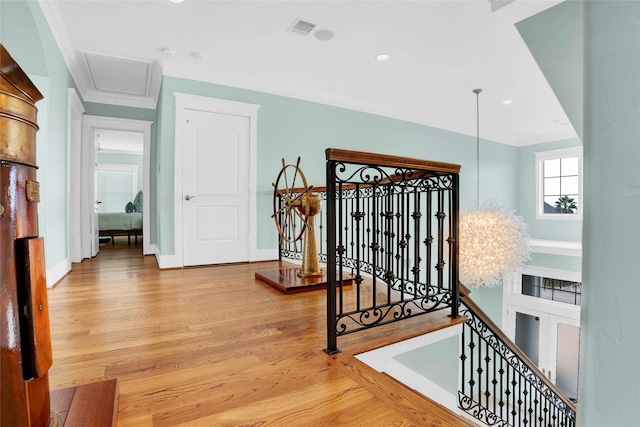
94,404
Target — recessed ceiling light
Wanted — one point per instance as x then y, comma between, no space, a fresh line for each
382,57
323,35
199,55
167,51
507,101
176,1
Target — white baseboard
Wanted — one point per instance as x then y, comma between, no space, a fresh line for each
172,261
264,255
57,272
167,261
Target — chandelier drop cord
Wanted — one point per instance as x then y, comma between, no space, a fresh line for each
477,92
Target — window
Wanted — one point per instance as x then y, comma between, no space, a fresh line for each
565,291
117,186
559,184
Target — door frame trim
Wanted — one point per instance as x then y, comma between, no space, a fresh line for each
92,123
184,102
75,239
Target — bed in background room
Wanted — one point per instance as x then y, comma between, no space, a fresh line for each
128,223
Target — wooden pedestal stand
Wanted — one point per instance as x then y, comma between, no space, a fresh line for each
25,340
288,281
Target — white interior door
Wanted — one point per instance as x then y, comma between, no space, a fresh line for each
215,188
552,342
95,227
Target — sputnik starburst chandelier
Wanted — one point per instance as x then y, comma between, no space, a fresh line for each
493,241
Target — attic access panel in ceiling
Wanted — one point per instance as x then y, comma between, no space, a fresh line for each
119,75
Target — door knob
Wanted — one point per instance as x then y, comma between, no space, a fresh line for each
187,197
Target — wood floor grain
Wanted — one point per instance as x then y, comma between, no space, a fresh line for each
212,346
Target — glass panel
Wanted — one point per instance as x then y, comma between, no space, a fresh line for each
552,167
568,348
566,204
551,186
570,185
569,166
552,289
531,285
550,204
528,335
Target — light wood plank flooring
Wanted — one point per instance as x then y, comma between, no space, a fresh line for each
212,346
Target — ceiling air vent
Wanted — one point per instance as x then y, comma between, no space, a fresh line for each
302,27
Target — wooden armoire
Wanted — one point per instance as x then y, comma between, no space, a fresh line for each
25,342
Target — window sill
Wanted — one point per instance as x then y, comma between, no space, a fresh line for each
559,217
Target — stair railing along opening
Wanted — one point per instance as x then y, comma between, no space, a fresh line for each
500,385
392,222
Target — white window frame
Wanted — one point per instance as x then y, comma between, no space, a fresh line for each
120,168
550,155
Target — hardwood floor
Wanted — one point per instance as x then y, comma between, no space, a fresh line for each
212,346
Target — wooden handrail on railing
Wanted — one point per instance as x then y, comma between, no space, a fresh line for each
360,157
529,371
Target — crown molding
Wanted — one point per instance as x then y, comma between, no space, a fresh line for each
77,69
53,17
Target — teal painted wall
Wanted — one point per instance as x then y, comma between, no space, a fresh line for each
26,35
437,362
97,109
609,381
609,377
557,262
289,127
559,54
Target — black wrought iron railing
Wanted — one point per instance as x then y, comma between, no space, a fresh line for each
500,386
392,220
395,221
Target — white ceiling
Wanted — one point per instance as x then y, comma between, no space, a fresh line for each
440,51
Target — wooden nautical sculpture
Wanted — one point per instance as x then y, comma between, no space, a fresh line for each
295,204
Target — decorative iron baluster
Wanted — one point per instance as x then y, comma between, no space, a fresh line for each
375,247
441,215
454,213
333,261
429,239
416,215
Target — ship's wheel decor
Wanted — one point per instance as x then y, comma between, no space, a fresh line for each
294,208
